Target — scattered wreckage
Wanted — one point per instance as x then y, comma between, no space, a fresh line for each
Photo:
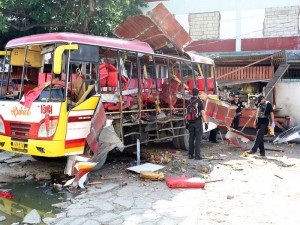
289,135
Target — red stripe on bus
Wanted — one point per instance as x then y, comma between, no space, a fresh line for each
75,143
73,119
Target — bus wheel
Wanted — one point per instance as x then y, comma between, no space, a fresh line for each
88,152
184,140
176,143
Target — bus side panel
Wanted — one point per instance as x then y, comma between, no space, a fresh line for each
78,125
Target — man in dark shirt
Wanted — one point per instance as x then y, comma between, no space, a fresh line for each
238,112
195,127
264,114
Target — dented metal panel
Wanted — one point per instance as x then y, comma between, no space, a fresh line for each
158,28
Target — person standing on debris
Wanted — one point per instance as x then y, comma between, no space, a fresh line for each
264,114
195,114
240,107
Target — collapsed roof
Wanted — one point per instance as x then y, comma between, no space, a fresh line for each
159,28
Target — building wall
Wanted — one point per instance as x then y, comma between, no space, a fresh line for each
281,21
204,25
287,97
238,18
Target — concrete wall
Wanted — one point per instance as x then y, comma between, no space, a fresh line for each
205,25
281,21
287,97
238,18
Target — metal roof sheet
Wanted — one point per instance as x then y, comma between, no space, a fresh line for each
158,27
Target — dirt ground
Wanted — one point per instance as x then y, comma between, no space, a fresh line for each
239,189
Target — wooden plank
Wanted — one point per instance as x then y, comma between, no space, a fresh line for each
256,72
259,72
277,75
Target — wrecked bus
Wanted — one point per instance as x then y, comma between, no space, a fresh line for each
86,84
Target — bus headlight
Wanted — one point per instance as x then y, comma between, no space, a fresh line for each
48,131
2,130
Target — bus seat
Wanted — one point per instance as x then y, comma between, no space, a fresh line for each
85,95
108,75
147,83
200,84
109,81
44,77
159,83
190,84
132,83
210,84
128,100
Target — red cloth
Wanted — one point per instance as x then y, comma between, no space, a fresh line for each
185,182
6,195
30,96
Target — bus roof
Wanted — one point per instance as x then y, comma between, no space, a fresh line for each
72,38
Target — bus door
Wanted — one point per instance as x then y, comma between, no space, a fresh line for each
81,78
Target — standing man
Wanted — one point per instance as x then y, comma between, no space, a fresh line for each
230,97
195,114
264,114
238,112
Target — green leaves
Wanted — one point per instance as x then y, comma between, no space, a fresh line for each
97,17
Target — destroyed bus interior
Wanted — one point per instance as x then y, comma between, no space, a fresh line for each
145,94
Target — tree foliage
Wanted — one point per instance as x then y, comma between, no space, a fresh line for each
97,17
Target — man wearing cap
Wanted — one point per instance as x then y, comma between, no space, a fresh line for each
195,127
263,116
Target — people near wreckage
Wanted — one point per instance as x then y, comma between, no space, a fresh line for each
240,107
230,97
195,117
264,115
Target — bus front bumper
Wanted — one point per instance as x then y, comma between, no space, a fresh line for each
45,148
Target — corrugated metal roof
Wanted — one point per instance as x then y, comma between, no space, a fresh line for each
158,27
247,57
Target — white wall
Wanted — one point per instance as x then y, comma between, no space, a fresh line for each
239,18
287,96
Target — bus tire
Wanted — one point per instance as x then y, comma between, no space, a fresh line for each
176,143
101,163
184,140
175,140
